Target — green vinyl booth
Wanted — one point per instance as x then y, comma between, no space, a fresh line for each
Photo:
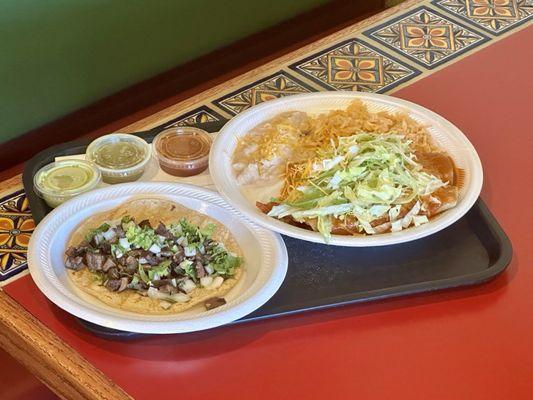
61,55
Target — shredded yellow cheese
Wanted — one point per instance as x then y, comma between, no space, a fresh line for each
297,138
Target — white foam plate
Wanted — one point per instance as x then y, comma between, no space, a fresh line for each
445,134
264,253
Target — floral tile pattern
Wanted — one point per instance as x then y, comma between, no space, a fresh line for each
354,65
202,117
495,16
16,226
426,37
278,85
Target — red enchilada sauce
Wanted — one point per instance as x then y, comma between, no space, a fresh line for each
183,151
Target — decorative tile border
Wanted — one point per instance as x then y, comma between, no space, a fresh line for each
354,65
279,84
494,16
426,37
202,117
16,227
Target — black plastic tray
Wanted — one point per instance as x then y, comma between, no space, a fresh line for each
471,251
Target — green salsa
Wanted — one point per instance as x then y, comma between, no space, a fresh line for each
119,155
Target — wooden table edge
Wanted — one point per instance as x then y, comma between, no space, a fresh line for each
51,360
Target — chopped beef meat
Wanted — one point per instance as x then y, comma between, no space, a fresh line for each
120,232
199,257
179,256
113,273
139,286
94,261
152,259
131,264
93,242
123,284
161,282
105,247
72,252
169,289
166,252
178,271
113,284
136,253
163,231
200,270
75,262
109,263
145,224
214,303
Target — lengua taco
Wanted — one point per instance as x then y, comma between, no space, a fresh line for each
153,256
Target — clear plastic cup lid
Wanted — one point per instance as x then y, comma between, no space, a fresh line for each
66,178
119,153
182,147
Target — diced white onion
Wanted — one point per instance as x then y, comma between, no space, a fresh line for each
188,285
209,269
153,293
124,243
155,249
190,251
217,282
109,234
206,281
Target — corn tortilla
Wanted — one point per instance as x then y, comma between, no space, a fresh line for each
155,210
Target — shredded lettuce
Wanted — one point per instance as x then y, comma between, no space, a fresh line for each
189,269
159,271
93,232
225,265
142,274
208,230
368,176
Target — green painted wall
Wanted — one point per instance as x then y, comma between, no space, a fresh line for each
57,56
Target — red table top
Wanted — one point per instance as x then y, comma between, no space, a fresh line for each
473,343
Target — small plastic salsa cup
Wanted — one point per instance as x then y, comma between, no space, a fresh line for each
182,151
121,157
61,180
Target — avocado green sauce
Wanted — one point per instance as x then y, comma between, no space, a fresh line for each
62,180
67,177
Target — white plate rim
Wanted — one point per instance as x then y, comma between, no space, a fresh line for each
222,174
211,319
